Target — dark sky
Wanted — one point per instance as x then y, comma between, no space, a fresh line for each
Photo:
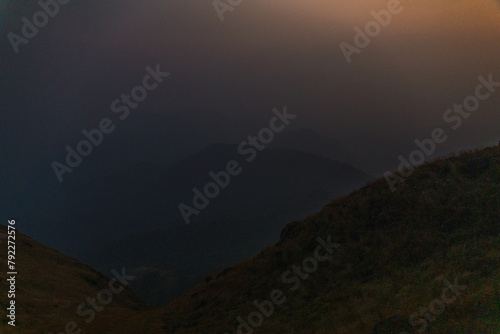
264,54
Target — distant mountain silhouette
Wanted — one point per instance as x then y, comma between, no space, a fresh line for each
309,141
133,218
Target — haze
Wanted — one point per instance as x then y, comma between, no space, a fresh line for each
265,54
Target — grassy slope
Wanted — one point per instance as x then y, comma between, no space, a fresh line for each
394,256
51,285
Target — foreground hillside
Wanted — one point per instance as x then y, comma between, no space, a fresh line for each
423,259
50,287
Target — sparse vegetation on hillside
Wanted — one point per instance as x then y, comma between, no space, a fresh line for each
397,251
50,286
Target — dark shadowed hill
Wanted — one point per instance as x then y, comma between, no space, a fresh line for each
51,291
423,259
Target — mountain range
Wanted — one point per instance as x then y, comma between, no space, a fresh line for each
421,259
